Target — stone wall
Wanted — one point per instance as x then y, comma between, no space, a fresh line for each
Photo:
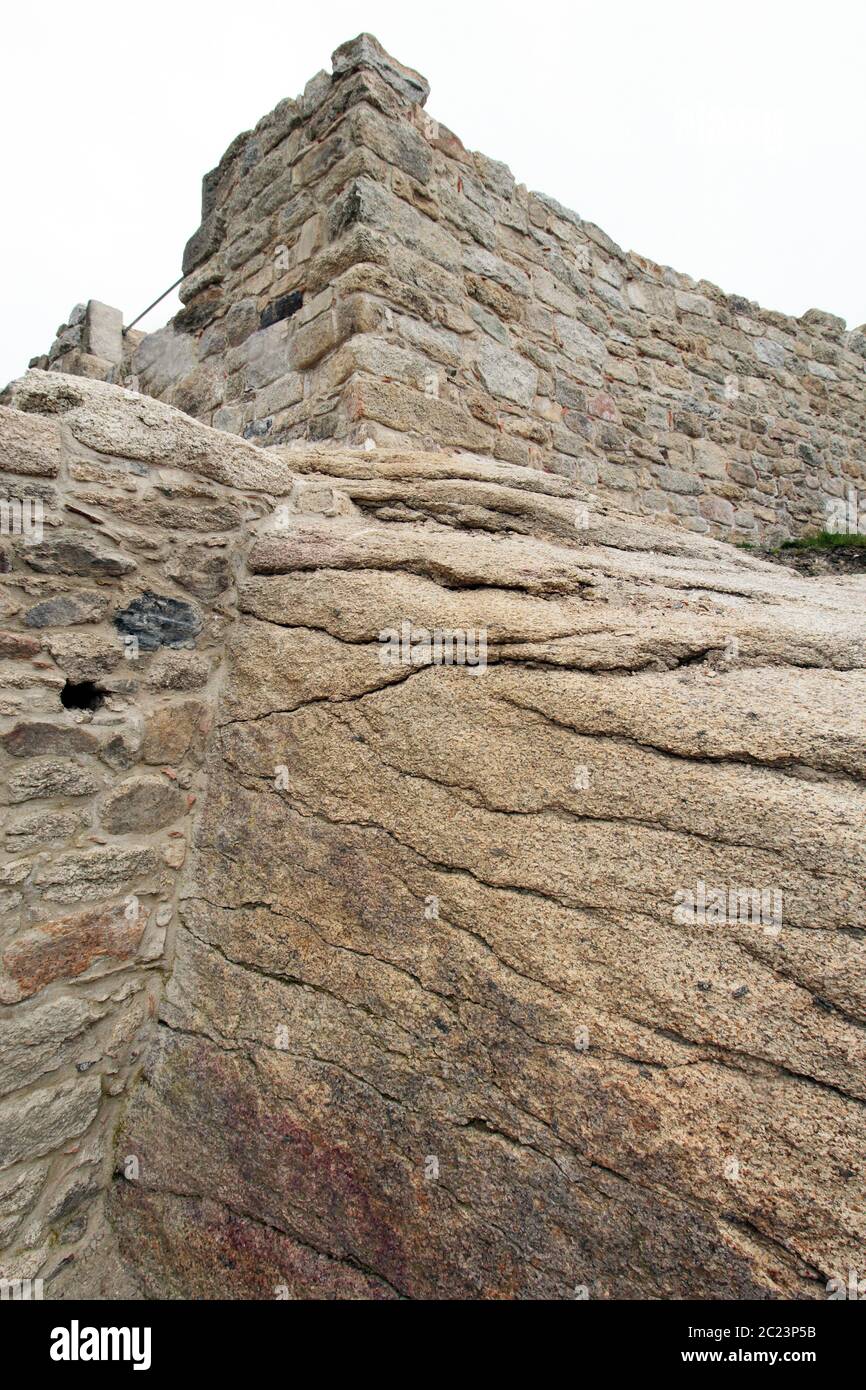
122,521
359,275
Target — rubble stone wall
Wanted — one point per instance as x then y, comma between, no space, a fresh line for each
122,523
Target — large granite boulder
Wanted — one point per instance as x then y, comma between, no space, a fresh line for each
536,976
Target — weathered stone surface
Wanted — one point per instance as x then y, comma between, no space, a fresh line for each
43,1038
146,432
40,829
141,804
44,777
88,875
278,667
183,1236
507,374
204,242
448,1012
178,670
30,447
192,509
366,52
18,644
103,332
447,967
68,946
85,606
30,738
77,553
38,1122
85,656
202,570
175,730
18,1192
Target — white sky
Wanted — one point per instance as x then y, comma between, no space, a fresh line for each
724,139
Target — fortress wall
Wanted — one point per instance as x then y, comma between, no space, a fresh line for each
359,275
118,564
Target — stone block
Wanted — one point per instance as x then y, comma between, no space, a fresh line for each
413,412
771,353
204,242
397,142
309,343
507,374
141,804
676,480
42,1120
267,355
50,777
366,52
29,445
709,459
103,332
77,553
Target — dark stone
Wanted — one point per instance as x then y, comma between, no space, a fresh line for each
366,52
209,186
118,753
198,314
158,621
256,428
281,308
324,426
738,305
67,610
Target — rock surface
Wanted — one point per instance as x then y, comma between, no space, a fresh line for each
435,1027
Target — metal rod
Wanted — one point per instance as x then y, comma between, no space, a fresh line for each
153,305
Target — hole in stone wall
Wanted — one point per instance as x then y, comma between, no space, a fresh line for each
82,695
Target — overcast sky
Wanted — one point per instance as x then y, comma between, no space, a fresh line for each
726,140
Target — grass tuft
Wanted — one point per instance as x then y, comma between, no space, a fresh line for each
826,540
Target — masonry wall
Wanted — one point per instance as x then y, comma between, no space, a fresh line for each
358,275
120,543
